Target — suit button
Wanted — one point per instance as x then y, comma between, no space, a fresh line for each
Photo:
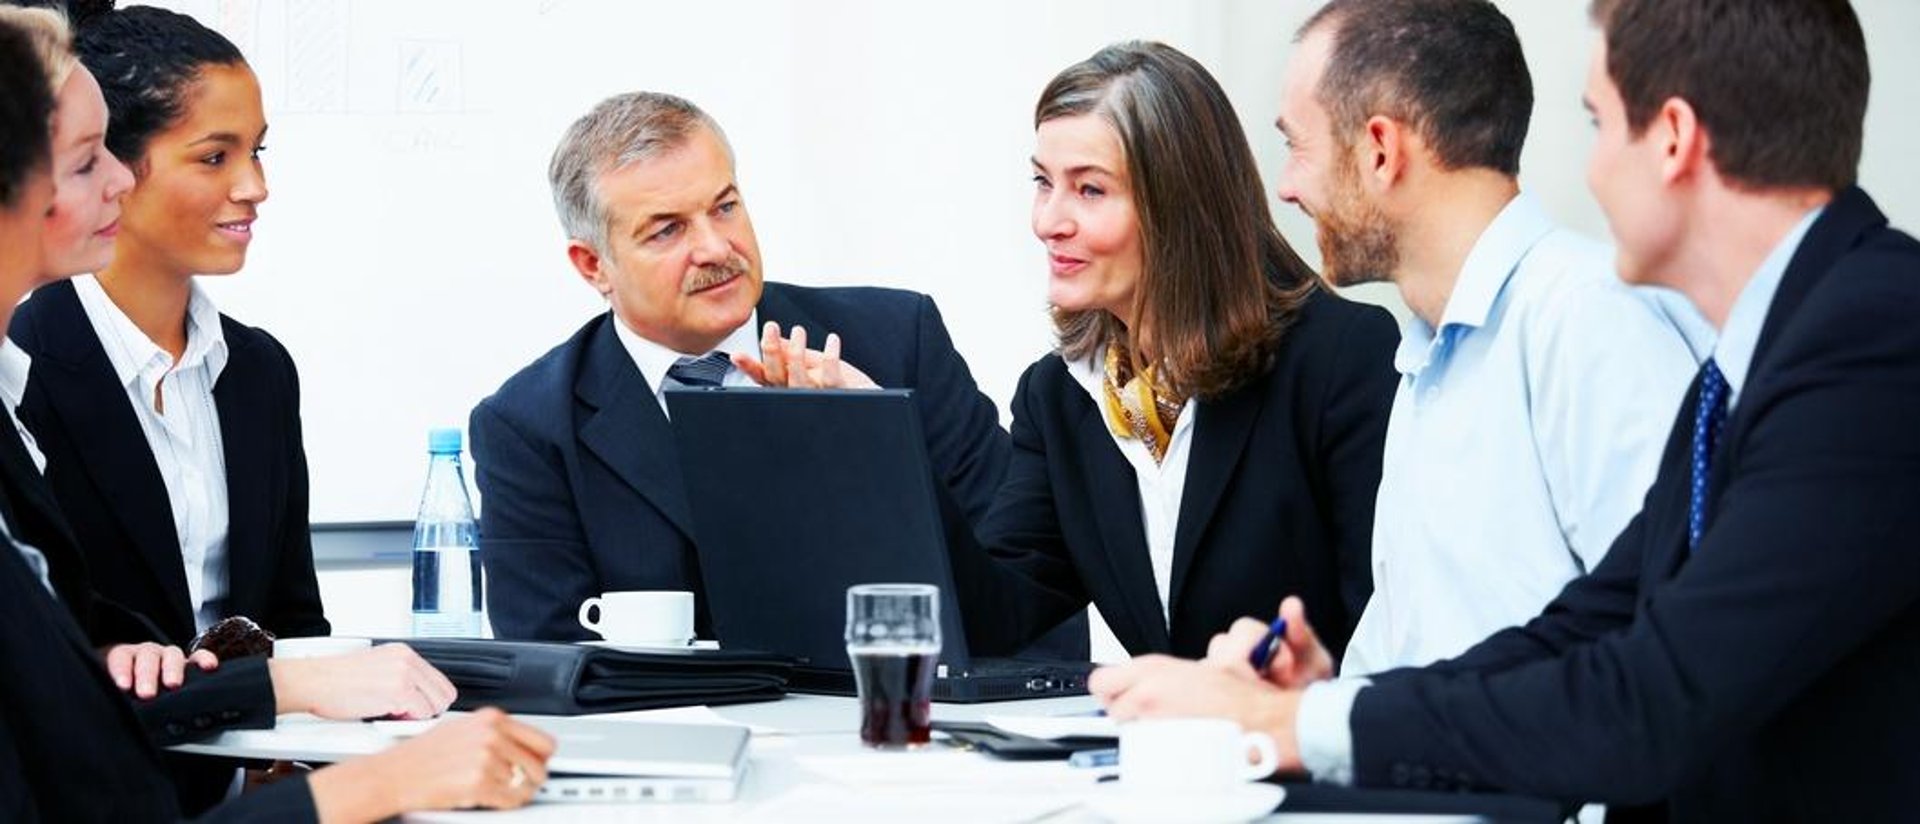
1400,774
201,722
175,728
1422,778
229,715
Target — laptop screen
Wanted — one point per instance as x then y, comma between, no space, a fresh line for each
798,494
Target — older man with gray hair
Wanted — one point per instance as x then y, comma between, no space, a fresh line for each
574,452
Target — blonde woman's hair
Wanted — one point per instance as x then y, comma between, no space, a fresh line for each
52,39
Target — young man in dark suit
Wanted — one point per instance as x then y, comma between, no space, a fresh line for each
1747,650
575,461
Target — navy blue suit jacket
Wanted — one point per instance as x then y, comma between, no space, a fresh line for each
580,481
109,486
1279,498
1773,673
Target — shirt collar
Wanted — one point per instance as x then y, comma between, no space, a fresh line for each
654,359
1489,265
134,355
206,338
1740,335
15,366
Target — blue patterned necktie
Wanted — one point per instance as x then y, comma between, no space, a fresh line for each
704,371
1708,417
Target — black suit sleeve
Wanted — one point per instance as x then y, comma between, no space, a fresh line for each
964,438
1026,584
297,609
531,540
1356,399
1809,555
237,696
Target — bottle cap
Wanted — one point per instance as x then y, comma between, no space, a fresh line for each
443,441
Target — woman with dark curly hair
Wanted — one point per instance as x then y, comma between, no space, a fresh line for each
74,749
172,433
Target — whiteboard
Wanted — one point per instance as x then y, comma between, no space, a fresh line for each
410,259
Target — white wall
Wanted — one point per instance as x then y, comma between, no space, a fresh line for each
410,259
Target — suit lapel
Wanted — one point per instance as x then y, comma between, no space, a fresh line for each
247,443
106,434
33,518
625,428
1851,216
1220,435
1114,492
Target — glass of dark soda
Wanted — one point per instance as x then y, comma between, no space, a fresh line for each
893,640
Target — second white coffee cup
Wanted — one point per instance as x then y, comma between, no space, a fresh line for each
662,618
1192,755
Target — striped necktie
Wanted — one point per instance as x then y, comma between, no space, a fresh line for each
707,370
1708,417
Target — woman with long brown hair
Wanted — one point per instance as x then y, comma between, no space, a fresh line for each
1207,438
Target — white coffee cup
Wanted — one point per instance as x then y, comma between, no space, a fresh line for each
318,647
652,619
1190,755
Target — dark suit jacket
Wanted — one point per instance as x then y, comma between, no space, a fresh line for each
1278,499
580,481
71,746
238,695
35,518
109,486
1774,672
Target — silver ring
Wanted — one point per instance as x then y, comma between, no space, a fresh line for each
519,778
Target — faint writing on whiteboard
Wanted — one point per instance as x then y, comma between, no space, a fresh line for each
425,140
429,77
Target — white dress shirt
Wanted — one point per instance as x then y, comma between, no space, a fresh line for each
1523,437
654,359
1161,485
1322,722
185,437
15,367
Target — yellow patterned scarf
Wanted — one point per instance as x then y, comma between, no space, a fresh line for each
1137,406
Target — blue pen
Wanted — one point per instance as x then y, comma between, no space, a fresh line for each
1094,758
1264,651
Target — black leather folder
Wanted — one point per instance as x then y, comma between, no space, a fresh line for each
569,679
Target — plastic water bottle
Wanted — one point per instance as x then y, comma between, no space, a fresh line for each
446,560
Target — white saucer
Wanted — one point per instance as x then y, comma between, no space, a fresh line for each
1243,802
701,644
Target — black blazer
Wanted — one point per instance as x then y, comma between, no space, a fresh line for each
1278,499
1774,672
71,746
33,515
107,482
580,481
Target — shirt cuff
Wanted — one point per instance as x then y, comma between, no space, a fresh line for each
1324,729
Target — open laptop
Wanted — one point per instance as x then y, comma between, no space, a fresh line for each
625,761
798,494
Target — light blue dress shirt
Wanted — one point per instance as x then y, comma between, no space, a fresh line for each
1322,726
1524,435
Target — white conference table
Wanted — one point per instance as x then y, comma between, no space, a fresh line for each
806,763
